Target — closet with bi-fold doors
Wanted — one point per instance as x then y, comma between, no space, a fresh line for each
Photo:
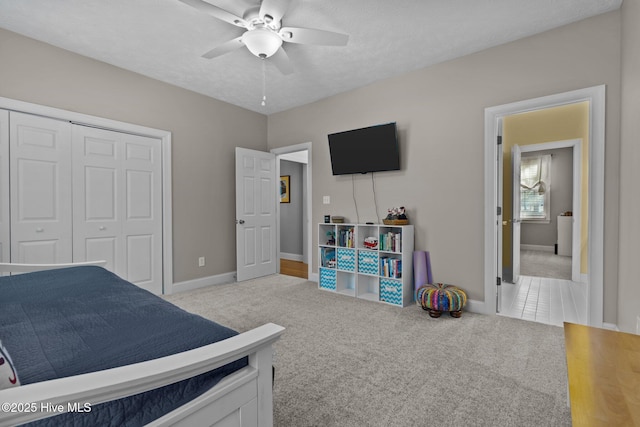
72,193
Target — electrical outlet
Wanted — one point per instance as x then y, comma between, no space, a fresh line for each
326,200
201,261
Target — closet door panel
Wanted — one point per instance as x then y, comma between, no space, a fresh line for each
97,223
142,226
117,204
40,188
101,248
4,188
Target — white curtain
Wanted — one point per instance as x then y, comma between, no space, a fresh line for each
535,184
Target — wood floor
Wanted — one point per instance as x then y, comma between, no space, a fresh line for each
294,268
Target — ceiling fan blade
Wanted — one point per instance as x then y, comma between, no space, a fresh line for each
227,47
281,61
273,8
311,36
216,12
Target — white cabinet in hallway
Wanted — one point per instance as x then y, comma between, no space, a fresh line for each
79,193
565,225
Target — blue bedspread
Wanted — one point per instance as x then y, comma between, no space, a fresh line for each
76,320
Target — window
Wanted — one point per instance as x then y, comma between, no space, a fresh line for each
535,188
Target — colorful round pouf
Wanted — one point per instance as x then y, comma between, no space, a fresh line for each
440,297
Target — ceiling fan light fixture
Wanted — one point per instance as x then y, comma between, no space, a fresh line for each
261,42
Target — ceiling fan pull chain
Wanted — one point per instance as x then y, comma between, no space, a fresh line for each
264,83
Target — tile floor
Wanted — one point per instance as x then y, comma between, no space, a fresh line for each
545,300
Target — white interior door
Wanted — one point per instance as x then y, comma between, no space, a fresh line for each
516,157
118,203
40,186
5,226
255,214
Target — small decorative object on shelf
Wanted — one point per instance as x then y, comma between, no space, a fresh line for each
331,238
396,216
371,243
337,219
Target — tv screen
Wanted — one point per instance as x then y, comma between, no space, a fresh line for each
370,149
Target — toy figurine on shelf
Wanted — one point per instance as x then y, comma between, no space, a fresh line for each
331,238
371,243
396,213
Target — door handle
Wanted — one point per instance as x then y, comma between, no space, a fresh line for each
240,221
102,228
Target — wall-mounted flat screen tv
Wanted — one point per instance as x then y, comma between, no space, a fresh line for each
370,149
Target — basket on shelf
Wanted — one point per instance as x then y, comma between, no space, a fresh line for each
396,216
395,221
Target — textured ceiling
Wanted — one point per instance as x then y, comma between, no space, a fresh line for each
164,39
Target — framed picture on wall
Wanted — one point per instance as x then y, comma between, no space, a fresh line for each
285,189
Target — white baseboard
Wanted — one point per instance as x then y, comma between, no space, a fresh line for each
611,326
538,248
476,307
202,282
292,257
313,277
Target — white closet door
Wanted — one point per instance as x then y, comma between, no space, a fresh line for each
118,203
5,225
40,186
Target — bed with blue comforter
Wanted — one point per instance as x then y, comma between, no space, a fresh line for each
65,322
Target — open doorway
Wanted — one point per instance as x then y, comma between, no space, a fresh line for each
551,194
593,221
293,165
542,237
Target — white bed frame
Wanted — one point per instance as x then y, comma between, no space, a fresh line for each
243,398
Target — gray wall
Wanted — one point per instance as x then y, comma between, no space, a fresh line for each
440,114
205,133
629,291
291,213
546,234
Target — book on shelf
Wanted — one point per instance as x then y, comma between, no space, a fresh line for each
391,267
346,238
391,242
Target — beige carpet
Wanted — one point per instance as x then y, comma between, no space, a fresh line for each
544,264
349,362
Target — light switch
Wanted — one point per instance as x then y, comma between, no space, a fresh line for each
326,200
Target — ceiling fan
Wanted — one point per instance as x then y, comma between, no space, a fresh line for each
264,33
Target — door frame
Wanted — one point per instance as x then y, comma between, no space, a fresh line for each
493,115
118,126
309,201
